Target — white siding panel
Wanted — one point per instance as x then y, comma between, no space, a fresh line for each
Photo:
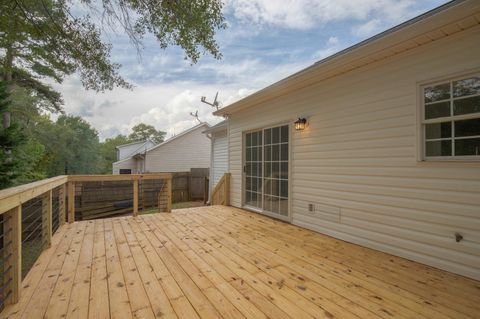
191,150
220,157
130,163
357,160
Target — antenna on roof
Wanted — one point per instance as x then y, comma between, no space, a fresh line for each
195,115
215,103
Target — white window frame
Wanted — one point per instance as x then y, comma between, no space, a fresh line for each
451,119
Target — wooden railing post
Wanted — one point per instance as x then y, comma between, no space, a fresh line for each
61,204
135,197
13,254
47,219
169,194
71,202
227,189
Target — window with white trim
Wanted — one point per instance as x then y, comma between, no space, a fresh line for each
451,119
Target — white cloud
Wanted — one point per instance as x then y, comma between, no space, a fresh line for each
368,29
332,46
305,14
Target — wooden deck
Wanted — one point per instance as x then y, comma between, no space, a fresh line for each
221,262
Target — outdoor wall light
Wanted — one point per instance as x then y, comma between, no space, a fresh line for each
300,124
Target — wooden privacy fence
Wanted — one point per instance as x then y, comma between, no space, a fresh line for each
221,192
188,186
31,213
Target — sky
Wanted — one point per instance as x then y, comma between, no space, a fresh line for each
266,40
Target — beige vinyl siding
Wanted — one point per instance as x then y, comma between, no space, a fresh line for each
358,159
191,150
220,156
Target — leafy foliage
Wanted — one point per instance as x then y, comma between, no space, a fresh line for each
10,139
141,132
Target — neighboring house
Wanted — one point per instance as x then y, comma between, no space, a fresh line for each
219,155
390,156
125,155
180,153
127,150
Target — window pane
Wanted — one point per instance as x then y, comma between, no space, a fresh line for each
275,135
439,148
248,169
268,168
267,203
467,128
248,138
284,207
466,106
254,154
466,87
259,138
267,188
248,155
284,172
268,136
276,152
284,188
268,153
248,183
275,205
276,187
437,92
469,146
259,153
284,152
284,134
437,110
275,169
438,130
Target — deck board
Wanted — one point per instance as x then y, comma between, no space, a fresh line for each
223,262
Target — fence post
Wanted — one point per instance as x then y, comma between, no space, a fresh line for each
13,248
61,205
135,197
169,194
71,202
47,219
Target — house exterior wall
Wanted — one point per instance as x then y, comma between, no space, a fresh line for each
191,150
219,163
130,163
358,161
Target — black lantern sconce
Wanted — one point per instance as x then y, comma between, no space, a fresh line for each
300,124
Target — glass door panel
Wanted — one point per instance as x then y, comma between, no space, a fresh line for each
253,169
266,170
275,192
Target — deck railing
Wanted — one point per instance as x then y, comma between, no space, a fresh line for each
30,214
221,191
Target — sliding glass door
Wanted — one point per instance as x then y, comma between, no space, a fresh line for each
253,169
266,170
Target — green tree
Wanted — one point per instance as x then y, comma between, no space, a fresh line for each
10,139
55,38
141,132
71,146
108,152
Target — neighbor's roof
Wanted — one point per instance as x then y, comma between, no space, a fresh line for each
219,127
440,22
133,143
203,124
